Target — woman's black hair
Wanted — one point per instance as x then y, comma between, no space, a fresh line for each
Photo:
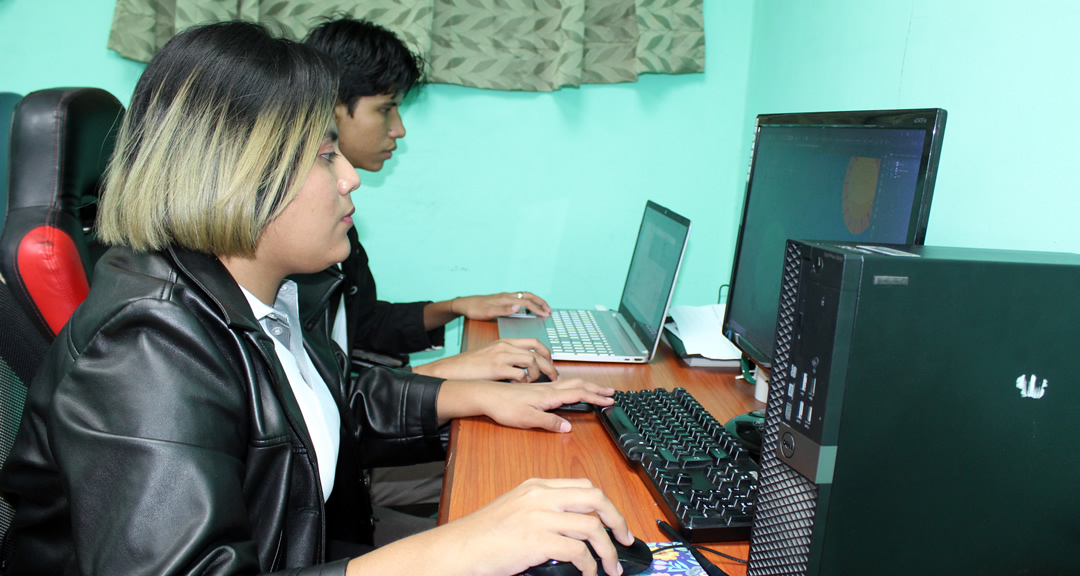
222,128
260,64
372,59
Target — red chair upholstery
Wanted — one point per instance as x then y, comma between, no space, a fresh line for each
61,140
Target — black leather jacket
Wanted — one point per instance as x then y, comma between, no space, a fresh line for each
161,436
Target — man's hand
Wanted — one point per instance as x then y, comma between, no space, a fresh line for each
513,359
518,405
502,304
539,520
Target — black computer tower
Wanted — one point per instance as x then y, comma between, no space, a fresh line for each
923,414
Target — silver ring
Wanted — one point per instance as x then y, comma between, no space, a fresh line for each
520,295
526,373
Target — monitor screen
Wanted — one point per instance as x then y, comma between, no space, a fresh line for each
854,176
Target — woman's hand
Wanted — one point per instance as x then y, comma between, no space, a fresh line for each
513,359
518,405
539,520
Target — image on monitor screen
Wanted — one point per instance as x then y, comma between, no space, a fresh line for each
865,176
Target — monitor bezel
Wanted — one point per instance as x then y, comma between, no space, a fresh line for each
931,120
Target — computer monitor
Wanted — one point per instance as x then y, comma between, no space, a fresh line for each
862,176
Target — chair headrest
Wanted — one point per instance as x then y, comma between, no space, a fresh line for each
61,141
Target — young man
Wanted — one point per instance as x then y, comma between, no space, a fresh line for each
378,71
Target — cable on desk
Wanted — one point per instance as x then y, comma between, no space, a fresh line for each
719,553
695,551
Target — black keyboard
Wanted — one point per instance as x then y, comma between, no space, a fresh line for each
705,481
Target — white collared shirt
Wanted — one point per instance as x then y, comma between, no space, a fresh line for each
317,405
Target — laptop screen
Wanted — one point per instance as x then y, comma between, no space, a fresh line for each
653,270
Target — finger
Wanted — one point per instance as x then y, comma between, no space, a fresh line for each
547,367
536,365
582,498
605,551
530,344
510,372
563,548
585,386
521,365
556,397
536,304
581,528
550,422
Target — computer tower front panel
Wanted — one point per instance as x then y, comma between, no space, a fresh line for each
787,503
922,413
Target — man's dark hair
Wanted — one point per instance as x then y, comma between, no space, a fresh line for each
372,59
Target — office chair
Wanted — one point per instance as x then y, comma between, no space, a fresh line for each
61,140
21,352
8,101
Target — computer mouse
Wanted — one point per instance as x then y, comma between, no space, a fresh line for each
747,428
578,407
522,312
634,559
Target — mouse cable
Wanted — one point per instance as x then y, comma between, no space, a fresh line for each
670,531
710,568
719,553
675,546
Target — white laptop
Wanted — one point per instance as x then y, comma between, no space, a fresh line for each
632,334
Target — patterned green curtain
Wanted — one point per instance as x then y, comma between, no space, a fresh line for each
534,45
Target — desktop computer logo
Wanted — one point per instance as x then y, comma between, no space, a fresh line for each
1030,388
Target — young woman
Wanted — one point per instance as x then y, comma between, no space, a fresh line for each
186,420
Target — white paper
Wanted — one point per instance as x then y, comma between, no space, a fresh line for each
701,330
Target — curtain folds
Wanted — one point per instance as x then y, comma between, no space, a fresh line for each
532,45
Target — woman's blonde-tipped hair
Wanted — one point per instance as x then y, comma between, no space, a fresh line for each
221,131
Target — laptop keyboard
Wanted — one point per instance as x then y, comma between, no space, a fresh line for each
576,332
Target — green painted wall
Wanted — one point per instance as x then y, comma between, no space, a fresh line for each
1005,71
505,191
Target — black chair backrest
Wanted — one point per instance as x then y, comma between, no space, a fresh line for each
8,100
61,141
22,349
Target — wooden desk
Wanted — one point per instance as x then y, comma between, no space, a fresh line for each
485,460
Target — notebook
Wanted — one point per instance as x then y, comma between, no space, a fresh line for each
631,334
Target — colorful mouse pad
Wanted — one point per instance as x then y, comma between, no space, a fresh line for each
672,561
